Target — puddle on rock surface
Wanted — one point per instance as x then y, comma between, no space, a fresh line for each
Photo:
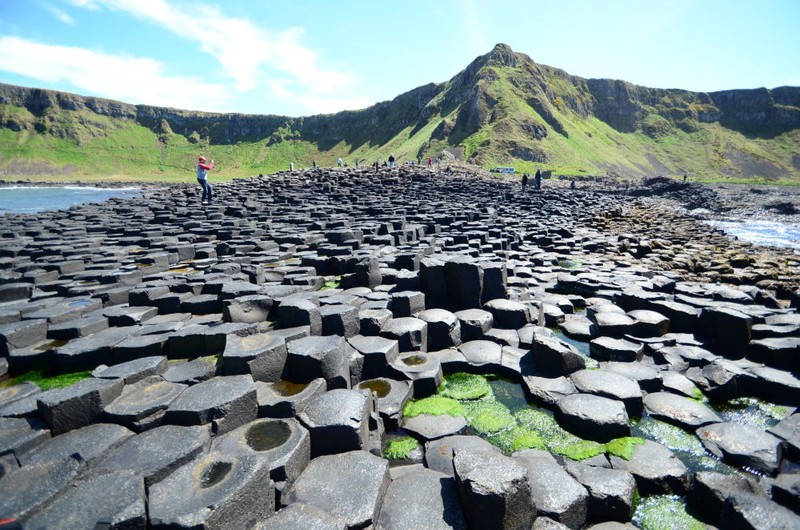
215,473
287,388
267,435
413,360
380,387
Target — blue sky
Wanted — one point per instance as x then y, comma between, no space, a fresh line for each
304,57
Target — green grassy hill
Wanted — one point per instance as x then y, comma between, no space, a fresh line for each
503,109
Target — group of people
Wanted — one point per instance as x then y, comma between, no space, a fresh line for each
537,180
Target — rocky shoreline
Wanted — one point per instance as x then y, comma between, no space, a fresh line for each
251,360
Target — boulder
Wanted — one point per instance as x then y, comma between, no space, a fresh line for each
743,446
433,496
338,421
678,410
224,402
593,417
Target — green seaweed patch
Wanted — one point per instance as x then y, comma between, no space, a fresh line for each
400,448
752,411
47,381
434,405
517,439
698,396
332,284
664,511
624,447
576,448
556,439
670,436
463,386
488,417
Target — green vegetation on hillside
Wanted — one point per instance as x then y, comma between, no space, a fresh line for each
503,109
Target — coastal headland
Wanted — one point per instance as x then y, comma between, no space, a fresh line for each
342,348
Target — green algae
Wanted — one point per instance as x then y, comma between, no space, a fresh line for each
516,439
400,448
47,381
664,512
698,396
435,405
556,439
751,411
672,437
624,447
463,386
488,417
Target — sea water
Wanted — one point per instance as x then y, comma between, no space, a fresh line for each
32,199
764,233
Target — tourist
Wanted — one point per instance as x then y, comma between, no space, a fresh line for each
685,176
572,184
314,164
202,179
391,160
537,180
524,181
430,162
339,162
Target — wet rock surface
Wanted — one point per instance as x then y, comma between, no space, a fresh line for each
248,358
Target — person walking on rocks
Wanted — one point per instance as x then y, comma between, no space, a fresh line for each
524,181
202,179
391,160
537,180
339,162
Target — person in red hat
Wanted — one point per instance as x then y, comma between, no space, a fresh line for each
202,179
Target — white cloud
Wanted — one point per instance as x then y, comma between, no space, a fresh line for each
125,78
246,52
59,14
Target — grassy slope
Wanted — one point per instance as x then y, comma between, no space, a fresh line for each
81,145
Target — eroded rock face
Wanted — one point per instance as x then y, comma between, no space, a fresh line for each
251,320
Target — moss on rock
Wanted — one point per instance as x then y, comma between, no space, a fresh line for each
623,447
660,512
488,417
399,448
463,386
435,405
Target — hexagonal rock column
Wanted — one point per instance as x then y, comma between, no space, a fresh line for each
649,323
261,355
553,356
301,515
250,308
34,485
464,279
743,446
608,384
593,417
18,435
410,333
226,402
282,444
87,443
439,453
216,490
312,357
348,486
422,369
378,353
133,371
731,330
555,493
143,404
494,490
656,469
444,329
340,319
79,405
434,497
390,398
678,410
474,323
338,421
154,454
284,399
113,498
300,312
611,349
508,314
611,491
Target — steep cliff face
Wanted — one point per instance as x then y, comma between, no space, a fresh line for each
502,107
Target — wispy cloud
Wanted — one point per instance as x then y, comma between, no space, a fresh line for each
125,78
249,55
61,15
474,27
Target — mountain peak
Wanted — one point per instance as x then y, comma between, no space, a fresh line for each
502,55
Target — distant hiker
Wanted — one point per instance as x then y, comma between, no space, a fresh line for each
291,166
572,184
537,180
202,179
375,165
524,181
391,160
430,162
339,162
314,164
685,176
